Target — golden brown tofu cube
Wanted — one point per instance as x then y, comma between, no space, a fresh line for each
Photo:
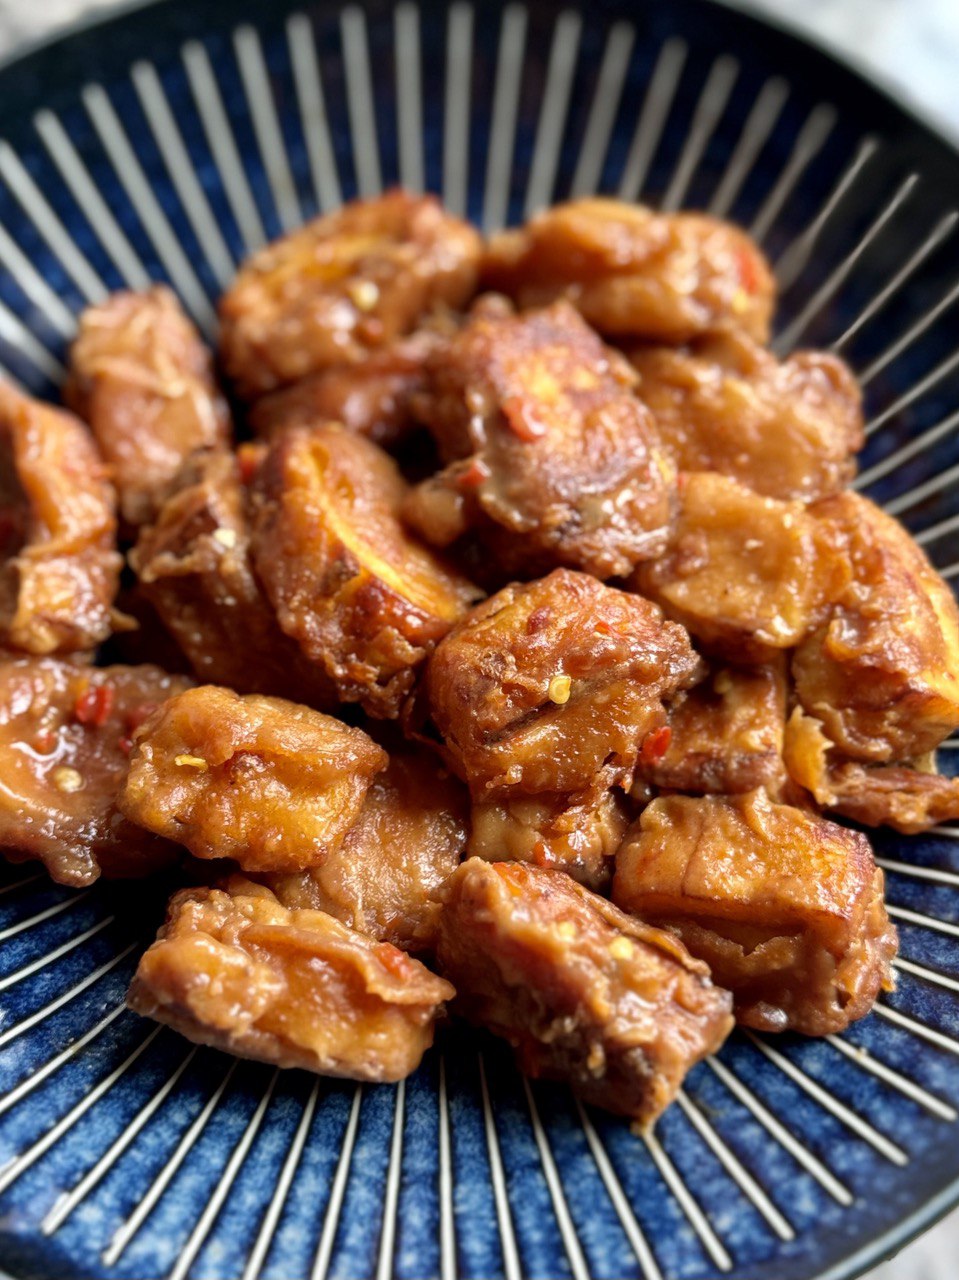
634,273
882,672
194,567
724,735
65,733
59,566
551,686
342,287
266,782
787,430
744,574
233,968
142,377
385,877
551,458
359,595
374,398
785,907
581,991
580,839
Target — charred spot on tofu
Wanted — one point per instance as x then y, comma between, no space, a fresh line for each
785,907
581,991
235,969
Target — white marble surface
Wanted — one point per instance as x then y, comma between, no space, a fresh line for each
911,45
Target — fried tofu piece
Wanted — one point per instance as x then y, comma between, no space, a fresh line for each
384,878
580,839
634,273
142,377
59,566
552,686
551,458
235,969
581,991
374,398
195,568
785,907
787,429
359,595
746,575
343,287
724,735
266,782
882,672
65,733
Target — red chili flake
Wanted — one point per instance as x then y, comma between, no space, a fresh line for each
748,268
474,475
249,457
522,420
44,741
393,959
537,620
655,745
126,745
541,854
94,704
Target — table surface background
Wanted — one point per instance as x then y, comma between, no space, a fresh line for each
910,45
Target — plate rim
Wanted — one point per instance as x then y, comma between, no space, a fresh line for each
33,49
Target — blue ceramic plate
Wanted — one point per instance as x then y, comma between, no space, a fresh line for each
166,144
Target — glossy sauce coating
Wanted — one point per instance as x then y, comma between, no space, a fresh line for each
233,968
266,782
785,907
581,991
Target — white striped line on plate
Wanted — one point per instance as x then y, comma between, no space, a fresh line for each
912,497
917,445
25,341
267,1230
509,82
11,930
938,1038
739,1174
951,833
66,1203
266,126
42,961
143,199
33,286
755,132
445,1182
409,96
602,114
787,339
691,1209
51,229
809,142
21,884
919,873
791,263
915,330
48,1068
13,1170
313,118
125,1233
851,1119
654,113
706,116
924,922
512,1268
391,1191
574,1252
222,143
360,102
941,370
940,232
64,998
929,975
456,112
553,111
331,1219
183,175
777,1130
908,1088
224,1184
648,1265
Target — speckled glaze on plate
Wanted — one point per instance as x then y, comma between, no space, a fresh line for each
165,144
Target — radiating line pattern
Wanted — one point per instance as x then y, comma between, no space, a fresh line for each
89,209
